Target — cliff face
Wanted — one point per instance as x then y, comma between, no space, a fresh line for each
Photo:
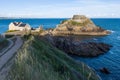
78,25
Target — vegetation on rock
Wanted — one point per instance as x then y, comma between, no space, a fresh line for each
74,23
11,31
63,21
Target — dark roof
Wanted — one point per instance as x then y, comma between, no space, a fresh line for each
22,25
19,24
16,23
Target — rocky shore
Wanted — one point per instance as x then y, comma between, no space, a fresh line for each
71,45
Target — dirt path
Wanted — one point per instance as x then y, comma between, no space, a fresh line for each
7,56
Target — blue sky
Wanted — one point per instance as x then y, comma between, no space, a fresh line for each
59,8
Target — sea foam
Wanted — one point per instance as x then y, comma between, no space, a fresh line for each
111,31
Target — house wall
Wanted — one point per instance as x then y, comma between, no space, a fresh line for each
20,28
13,27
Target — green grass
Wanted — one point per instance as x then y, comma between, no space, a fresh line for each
63,21
11,31
71,22
38,60
9,36
3,44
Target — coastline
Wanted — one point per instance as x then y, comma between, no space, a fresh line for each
110,36
82,33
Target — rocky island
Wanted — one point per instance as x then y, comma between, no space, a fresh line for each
78,25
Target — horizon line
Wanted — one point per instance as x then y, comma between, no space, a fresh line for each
48,17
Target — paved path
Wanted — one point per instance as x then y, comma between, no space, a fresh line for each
9,54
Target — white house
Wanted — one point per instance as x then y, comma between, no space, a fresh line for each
19,26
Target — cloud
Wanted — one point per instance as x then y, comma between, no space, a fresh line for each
63,8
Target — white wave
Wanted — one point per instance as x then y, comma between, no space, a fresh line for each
111,52
95,39
111,31
118,37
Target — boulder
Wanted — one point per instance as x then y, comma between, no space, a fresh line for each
105,70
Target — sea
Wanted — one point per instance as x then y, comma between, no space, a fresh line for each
110,60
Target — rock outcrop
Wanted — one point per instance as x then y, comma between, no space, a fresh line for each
80,48
105,70
78,25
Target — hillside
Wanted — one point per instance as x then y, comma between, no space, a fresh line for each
38,60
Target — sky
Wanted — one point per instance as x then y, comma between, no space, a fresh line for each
60,8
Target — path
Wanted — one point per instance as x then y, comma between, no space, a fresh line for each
8,55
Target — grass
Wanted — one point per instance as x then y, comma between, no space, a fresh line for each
3,44
9,36
63,21
11,31
38,60
78,23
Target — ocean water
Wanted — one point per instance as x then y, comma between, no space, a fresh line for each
47,23
110,60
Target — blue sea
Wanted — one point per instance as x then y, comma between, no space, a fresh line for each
110,60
